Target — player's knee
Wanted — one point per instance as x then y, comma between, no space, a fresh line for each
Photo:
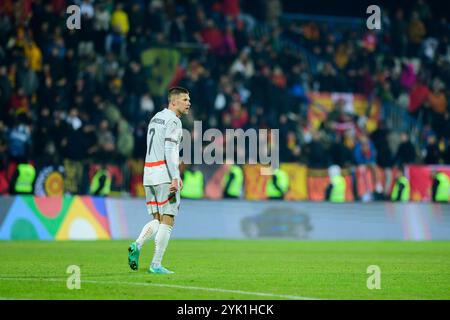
168,219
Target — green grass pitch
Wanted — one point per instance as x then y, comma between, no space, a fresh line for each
226,270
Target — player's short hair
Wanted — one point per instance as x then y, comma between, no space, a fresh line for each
174,91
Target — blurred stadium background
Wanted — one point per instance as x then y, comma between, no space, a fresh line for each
373,104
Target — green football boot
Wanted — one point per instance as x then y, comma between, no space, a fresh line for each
159,270
133,256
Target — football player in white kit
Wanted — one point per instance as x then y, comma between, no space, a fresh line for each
162,180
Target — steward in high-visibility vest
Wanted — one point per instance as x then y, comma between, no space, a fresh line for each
277,185
192,184
26,174
401,190
441,186
101,183
233,182
336,189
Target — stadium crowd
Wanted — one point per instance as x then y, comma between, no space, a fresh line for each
83,94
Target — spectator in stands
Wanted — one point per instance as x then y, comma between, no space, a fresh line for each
365,152
408,76
115,42
237,116
119,20
5,91
439,107
273,10
340,154
102,21
243,64
19,103
289,146
399,33
416,32
106,143
417,97
125,140
4,162
177,29
381,143
315,151
406,153
19,139
447,154
76,145
432,152
338,120
423,10
34,55
212,36
327,78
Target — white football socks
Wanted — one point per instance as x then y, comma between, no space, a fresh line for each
161,241
147,232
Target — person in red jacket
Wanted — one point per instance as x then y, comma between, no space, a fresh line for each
417,97
212,36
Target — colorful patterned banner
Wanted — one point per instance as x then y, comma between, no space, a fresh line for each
298,186
60,218
50,181
255,183
92,218
323,103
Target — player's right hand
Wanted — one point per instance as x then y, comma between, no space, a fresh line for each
173,186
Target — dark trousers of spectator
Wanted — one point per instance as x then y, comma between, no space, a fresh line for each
413,49
439,125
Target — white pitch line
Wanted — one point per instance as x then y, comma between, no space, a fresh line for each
261,294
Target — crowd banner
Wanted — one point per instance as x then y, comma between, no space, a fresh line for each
322,103
49,181
5,177
365,181
421,180
136,169
159,65
214,177
74,180
298,187
386,179
254,182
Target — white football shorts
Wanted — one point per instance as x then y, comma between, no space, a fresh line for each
160,200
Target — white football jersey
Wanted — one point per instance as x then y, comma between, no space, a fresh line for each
164,126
